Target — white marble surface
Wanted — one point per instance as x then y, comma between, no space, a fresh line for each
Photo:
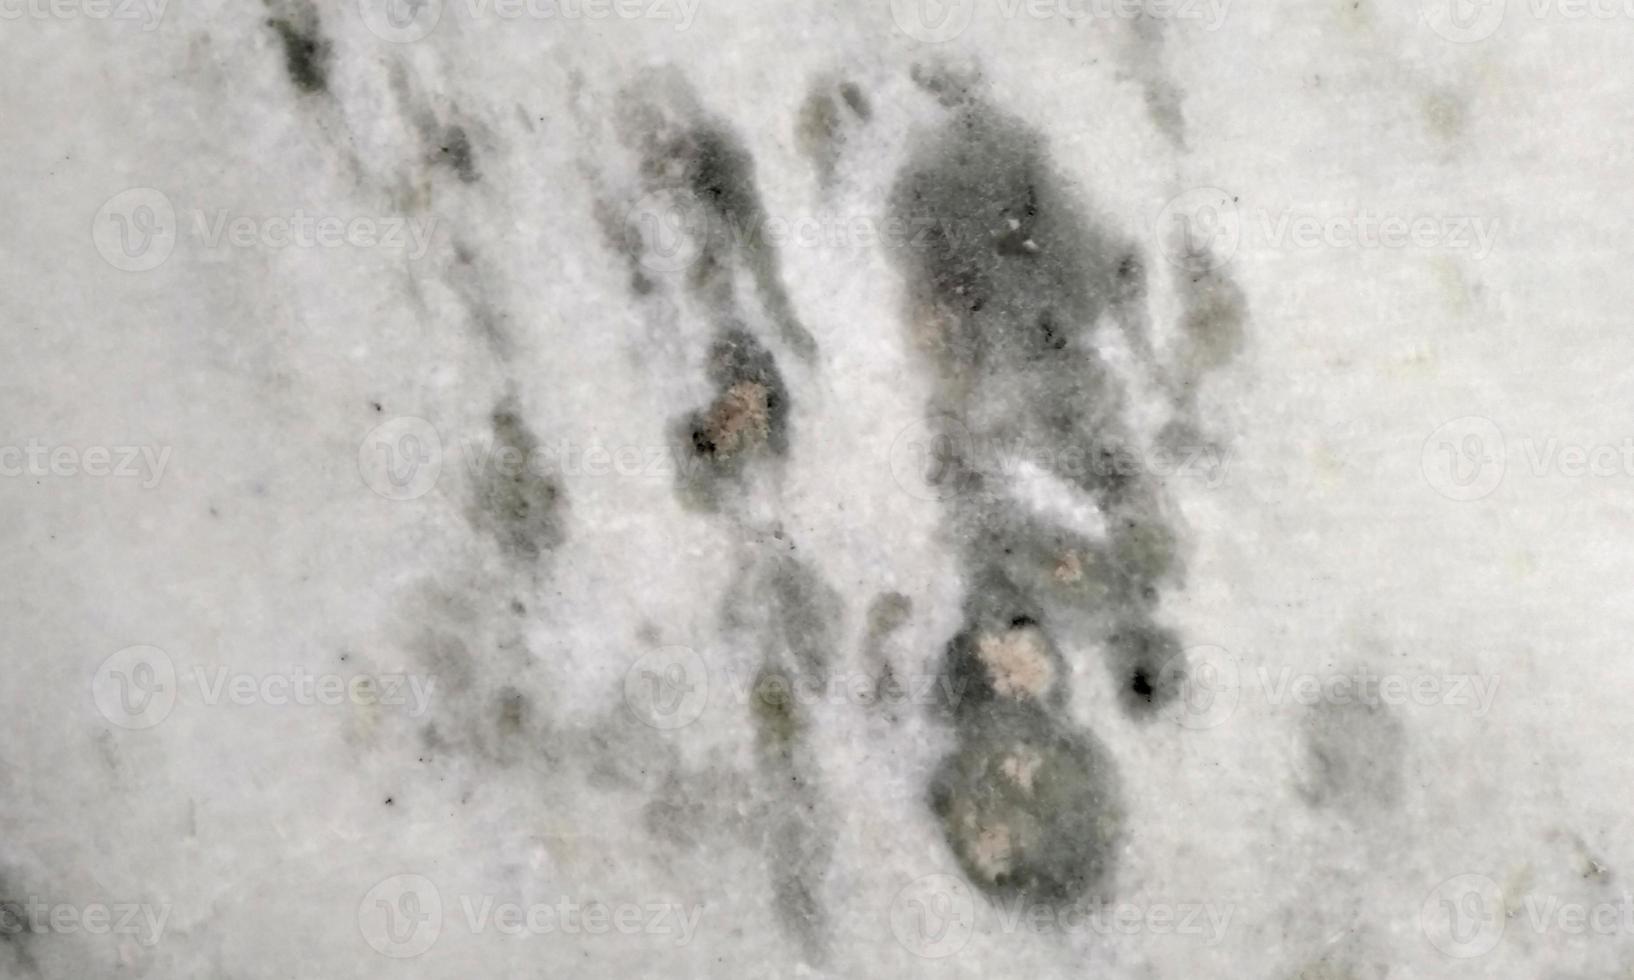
1415,466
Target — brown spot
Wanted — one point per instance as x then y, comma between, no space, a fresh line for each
740,419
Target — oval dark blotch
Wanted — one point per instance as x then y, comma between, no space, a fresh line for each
1031,808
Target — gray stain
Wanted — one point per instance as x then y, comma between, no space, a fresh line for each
1006,288
306,51
1004,298
795,625
515,504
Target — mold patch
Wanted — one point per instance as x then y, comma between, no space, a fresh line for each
515,504
747,420
1005,299
1030,807
796,628
705,171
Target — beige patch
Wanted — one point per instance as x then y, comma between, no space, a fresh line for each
1018,663
994,851
1070,569
1022,766
740,419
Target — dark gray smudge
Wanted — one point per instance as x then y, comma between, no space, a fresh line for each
699,159
778,605
17,932
306,52
455,151
794,616
515,503
1353,757
889,612
827,113
1005,293
1143,60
